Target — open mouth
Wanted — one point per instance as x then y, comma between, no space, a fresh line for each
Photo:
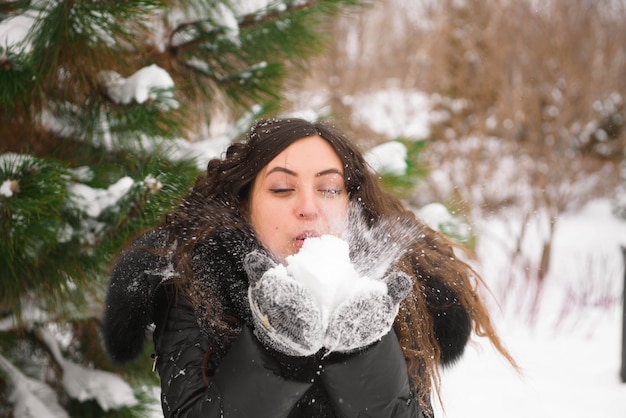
303,236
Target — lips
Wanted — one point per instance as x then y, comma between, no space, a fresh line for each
303,236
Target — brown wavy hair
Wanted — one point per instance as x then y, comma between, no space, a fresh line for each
229,180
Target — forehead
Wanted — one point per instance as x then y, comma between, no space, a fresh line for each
309,152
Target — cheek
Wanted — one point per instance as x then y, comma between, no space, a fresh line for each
266,223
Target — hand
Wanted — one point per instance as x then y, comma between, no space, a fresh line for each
286,316
366,316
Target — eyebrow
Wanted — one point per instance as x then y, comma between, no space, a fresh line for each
293,173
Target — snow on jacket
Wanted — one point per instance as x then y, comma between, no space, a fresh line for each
243,378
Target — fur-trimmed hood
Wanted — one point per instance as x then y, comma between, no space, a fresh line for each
218,279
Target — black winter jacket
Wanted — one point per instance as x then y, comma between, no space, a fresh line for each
246,379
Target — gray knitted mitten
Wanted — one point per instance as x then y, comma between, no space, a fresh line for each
286,316
366,316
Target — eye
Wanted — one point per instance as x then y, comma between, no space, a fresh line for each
331,192
280,191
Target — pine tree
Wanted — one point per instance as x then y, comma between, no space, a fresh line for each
108,111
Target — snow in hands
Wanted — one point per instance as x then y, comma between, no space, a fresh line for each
340,293
355,310
324,267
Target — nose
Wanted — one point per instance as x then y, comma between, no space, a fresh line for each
307,207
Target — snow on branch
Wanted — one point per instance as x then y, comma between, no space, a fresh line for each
13,33
231,19
143,85
82,383
31,397
29,315
389,158
93,201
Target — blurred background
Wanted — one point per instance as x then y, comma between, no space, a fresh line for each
500,123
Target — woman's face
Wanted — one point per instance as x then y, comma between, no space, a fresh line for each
298,195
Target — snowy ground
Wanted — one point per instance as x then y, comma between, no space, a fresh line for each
571,352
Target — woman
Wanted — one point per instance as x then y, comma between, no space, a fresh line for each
238,334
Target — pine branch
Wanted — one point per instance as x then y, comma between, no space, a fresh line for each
32,398
243,22
10,7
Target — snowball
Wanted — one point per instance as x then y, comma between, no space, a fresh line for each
323,266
